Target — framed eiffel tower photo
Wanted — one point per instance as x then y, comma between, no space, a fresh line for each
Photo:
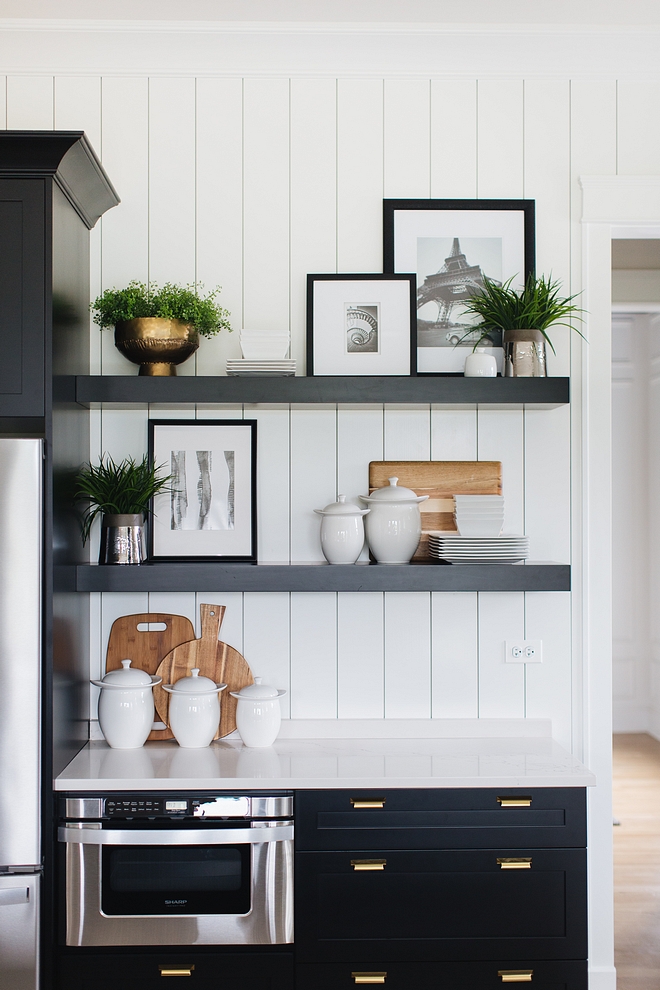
453,245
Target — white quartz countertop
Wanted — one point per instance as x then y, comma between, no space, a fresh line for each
403,754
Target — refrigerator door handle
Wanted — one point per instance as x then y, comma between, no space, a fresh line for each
14,895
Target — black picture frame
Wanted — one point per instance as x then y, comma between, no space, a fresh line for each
240,475
399,230
326,353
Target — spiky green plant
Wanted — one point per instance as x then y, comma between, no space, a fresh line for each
535,307
113,488
175,302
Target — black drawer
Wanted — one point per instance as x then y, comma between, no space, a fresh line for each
458,818
394,905
445,976
142,970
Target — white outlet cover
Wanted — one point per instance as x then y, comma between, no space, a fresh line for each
529,651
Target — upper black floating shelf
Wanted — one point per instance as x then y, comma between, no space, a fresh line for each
538,392
210,576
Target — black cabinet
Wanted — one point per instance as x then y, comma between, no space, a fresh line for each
441,887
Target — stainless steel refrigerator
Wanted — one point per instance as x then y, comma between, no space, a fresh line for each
21,526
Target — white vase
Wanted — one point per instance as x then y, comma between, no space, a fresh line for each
126,706
194,712
480,365
342,531
258,715
394,525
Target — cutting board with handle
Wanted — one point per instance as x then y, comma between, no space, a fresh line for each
146,646
219,661
440,480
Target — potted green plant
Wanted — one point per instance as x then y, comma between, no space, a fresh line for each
121,494
523,317
159,327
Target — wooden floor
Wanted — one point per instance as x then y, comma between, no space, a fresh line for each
637,862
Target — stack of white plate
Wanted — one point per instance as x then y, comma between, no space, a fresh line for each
479,515
264,345
245,367
505,549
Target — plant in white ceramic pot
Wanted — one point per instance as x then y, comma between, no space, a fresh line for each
523,316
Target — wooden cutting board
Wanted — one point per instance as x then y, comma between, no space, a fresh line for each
440,480
147,647
219,661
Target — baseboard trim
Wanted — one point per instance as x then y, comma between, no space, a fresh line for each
602,978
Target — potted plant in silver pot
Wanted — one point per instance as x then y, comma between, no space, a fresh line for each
524,317
120,494
159,328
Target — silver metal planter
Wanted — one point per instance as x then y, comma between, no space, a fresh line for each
122,539
524,354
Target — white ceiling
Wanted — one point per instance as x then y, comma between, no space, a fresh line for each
551,12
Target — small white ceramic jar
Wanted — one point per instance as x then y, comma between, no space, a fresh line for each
258,716
478,364
194,711
126,706
394,525
342,531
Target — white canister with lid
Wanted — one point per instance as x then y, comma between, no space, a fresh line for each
394,525
342,531
258,716
126,706
194,712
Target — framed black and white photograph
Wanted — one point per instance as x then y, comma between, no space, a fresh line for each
452,245
209,511
361,324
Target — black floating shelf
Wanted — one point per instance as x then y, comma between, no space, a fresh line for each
452,390
220,577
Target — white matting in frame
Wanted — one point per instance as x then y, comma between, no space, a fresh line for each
360,326
210,510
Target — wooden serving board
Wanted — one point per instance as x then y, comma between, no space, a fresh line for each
146,648
440,480
219,661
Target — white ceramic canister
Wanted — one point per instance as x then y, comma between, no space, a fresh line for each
478,364
342,531
258,715
194,711
126,706
394,525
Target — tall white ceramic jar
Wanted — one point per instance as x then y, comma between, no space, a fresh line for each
194,711
394,525
126,706
342,531
258,716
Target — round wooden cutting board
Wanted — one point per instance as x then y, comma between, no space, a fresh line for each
219,661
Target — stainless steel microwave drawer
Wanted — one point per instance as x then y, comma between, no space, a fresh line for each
491,975
441,818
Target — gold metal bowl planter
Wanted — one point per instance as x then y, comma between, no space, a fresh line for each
156,343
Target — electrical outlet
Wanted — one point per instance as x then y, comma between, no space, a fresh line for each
524,651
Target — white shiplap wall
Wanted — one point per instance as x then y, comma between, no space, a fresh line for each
251,183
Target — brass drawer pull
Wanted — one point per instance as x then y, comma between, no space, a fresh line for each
515,975
520,863
368,802
515,802
369,977
176,970
368,864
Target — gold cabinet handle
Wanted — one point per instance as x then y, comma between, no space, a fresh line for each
368,864
369,977
515,975
368,802
176,970
519,863
515,802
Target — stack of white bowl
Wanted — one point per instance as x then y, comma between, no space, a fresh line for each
264,353
479,515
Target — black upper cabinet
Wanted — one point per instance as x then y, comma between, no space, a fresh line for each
52,191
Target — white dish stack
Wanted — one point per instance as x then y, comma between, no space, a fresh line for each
264,353
479,520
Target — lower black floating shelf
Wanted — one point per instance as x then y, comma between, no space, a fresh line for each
220,577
